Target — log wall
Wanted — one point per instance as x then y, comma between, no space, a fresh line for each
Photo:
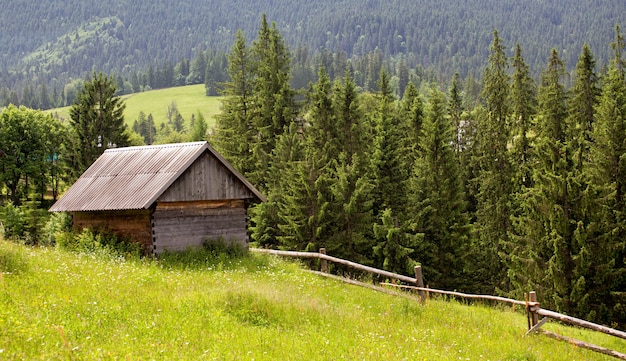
181,225
133,224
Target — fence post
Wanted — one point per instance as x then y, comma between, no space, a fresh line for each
419,282
532,297
323,262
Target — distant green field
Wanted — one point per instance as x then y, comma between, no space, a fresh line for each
189,100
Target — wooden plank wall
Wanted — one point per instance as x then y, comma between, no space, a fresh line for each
206,179
133,224
181,225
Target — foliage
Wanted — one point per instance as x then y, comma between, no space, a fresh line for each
58,223
31,144
13,221
97,120
98,242
494,176
23,223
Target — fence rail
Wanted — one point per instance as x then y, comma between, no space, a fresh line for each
533,308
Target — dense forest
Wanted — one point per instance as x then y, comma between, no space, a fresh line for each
48,48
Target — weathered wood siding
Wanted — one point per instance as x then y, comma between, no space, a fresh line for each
206,179
181,225
133,224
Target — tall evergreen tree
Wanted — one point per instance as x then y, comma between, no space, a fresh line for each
411,119
437,199
455,110
495,174
235,136
548,225
350,184
524,104
273,99
608,169
523,108
388,166
97,118
585,94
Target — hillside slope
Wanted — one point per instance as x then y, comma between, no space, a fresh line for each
54,40
56,305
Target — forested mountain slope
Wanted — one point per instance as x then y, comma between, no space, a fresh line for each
52,41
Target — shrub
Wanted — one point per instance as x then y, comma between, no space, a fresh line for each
14,221
220,247
57,224
99,242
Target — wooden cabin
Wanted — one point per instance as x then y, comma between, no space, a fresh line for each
167,197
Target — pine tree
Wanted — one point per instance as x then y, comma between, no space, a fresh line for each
350,185
608,169
516,253
455,110
411,119
548,226
273,98
523,108
199,130
97,118
437,199
388,167
585,94
234,135
495,174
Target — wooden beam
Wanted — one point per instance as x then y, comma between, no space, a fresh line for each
536,327
585,345
363,284
578,322
344,262
462,295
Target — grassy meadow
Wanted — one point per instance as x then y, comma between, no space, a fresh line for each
189,100
56,305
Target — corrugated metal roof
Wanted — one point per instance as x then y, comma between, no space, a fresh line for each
134,177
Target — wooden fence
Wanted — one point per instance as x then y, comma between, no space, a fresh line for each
533,309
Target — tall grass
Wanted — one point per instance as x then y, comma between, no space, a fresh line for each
195,306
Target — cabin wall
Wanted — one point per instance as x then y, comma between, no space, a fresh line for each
181,225
133,224
206,179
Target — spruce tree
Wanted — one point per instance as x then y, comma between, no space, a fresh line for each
437,201
97,118
523,108
585,94
548,225
273,97
389,168
455,110
608,169
411,112
235,133
516,255
495,174
350,185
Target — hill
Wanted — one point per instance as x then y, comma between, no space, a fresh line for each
52,41
189,100
57,305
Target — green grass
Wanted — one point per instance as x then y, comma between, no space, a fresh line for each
56,305
189,100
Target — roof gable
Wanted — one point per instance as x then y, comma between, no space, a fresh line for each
135,177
